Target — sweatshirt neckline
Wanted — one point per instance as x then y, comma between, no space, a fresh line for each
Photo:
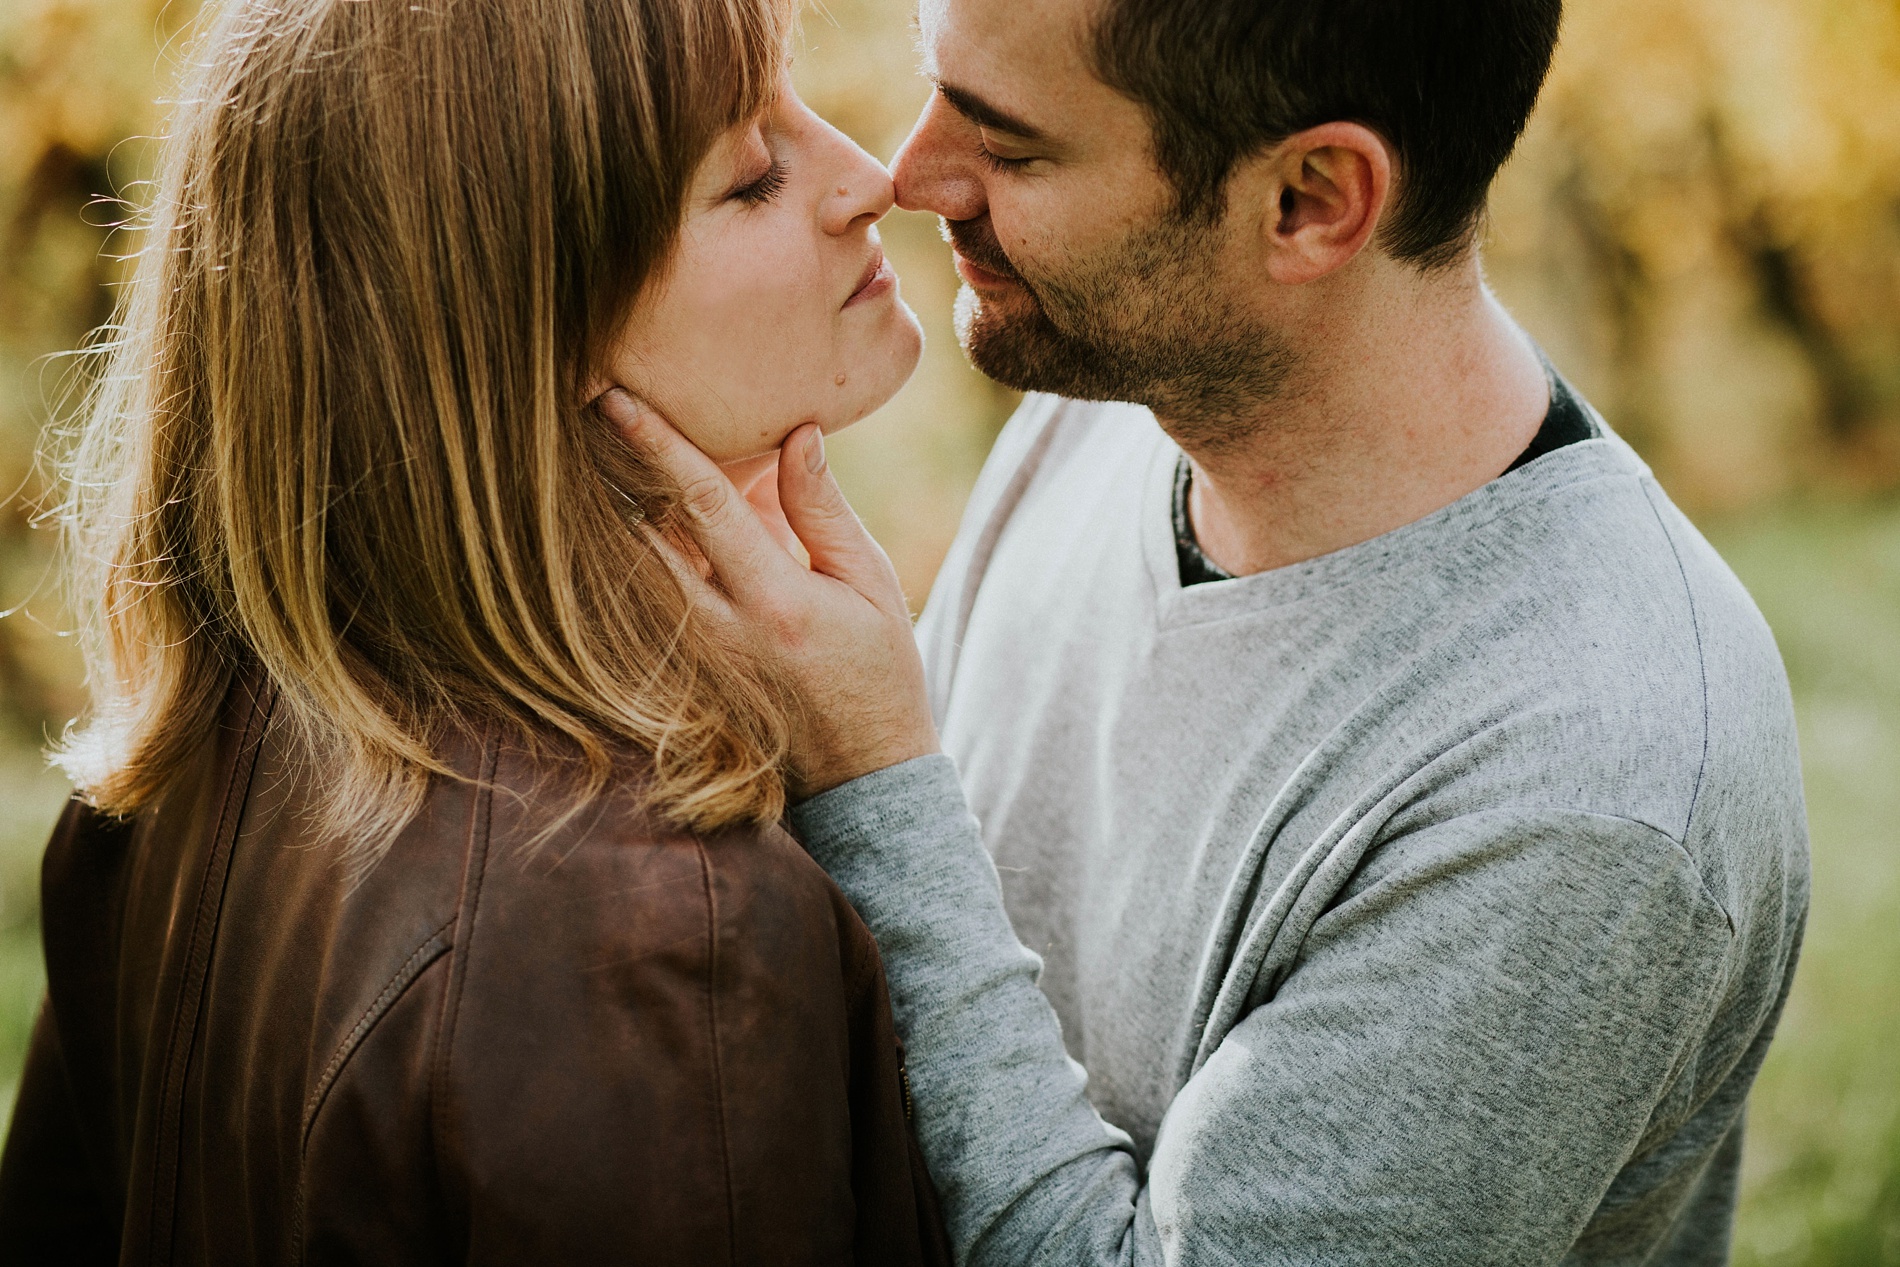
1606,457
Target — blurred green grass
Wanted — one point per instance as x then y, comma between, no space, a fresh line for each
33,796
1822,1181
1822,1184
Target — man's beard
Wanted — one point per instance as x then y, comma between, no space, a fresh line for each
1144,322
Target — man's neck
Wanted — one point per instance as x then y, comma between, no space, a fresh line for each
1402,406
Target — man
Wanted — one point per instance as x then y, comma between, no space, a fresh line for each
1401,796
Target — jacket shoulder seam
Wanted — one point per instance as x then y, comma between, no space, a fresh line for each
425,955
475,870
199,949
718,1069
431,949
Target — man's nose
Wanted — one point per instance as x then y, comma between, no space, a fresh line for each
933,173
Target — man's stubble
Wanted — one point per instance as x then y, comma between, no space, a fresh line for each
1145,321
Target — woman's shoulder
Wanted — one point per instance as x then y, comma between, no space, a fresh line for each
637,1009
571,902
610,855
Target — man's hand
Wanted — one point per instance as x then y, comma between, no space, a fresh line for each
840,630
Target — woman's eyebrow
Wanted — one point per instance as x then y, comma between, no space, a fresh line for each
983,114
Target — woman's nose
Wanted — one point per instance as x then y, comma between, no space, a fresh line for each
932,172
861,195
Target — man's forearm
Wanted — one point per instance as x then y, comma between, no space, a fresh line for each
1027,1169
1428,1084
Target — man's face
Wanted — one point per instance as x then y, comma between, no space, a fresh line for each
1079,278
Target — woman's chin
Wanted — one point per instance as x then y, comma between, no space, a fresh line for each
882,373
877,374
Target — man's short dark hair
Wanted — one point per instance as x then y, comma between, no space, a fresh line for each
1449,85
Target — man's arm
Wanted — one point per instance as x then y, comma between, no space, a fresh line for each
1459,1060
1018,1153
1466,1053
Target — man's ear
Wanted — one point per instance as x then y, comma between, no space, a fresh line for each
1319,196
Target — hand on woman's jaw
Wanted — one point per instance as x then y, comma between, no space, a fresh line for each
839,629
757,481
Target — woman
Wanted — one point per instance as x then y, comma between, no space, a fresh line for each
425,899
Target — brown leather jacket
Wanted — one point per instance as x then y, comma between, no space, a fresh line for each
629,1045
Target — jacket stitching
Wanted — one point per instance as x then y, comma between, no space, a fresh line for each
412,969
427,953
718,1072
197,967
481,817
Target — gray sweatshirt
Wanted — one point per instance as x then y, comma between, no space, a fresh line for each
1432,901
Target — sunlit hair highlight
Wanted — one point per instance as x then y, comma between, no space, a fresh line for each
340,434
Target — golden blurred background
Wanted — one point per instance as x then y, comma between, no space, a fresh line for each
1702,227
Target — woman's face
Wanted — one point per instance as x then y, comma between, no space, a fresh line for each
777,307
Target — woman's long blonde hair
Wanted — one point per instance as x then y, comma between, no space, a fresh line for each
339,435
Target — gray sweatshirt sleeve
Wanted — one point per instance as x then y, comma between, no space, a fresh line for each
1019,1156
1468,1049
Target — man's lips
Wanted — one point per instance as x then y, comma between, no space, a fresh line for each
877,279
978,276
979,256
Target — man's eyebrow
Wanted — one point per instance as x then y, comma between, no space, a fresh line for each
983,114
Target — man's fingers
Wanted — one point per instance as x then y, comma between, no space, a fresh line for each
743,555
763,497
832,534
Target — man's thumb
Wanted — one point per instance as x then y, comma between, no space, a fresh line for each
815,508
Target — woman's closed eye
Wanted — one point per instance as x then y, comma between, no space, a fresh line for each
762,188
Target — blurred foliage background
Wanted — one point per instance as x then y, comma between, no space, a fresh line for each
1703,228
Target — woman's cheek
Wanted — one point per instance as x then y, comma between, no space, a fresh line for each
752,340
774,380
790,329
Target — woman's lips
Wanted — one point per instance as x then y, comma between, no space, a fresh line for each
980,277
879,279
